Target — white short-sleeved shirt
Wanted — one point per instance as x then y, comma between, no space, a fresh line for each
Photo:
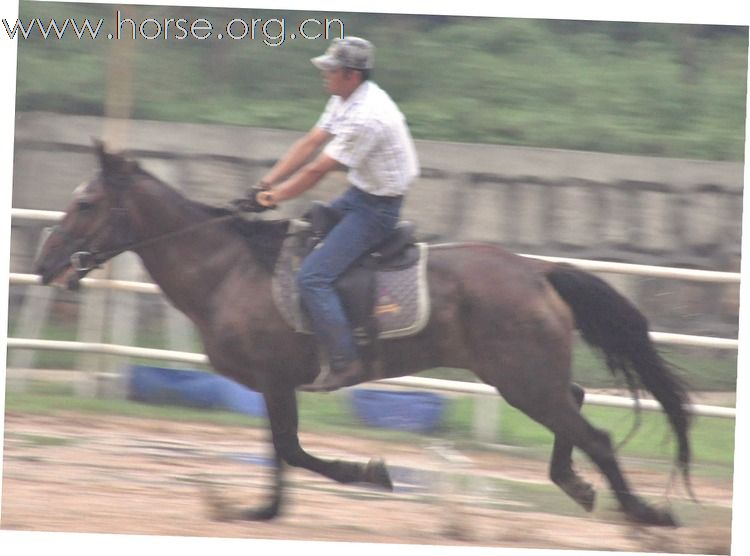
372,139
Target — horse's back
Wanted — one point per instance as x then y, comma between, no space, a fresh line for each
498,304
490,270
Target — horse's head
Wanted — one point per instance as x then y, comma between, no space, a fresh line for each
94,226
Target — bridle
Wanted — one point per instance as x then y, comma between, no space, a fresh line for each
85,260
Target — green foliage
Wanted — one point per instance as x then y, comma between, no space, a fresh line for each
712,438
700,369
653,89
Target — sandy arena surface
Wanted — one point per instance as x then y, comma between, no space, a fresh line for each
75,472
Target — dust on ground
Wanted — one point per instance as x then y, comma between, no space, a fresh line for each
74,472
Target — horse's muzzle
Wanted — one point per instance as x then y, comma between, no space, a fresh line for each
59,271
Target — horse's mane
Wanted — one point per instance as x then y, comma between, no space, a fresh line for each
263,237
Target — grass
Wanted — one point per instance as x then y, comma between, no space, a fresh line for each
700,369
712,438
42,440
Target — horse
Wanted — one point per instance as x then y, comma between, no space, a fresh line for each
511,320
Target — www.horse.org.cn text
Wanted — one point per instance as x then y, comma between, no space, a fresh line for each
269,31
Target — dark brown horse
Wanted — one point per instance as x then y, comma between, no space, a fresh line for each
509,319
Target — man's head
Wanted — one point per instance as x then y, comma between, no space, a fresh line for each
346,64
350,52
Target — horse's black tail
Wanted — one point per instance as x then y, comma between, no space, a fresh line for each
612,324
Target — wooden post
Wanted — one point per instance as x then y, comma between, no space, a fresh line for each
119,100
106,310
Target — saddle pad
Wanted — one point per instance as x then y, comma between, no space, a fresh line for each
402,306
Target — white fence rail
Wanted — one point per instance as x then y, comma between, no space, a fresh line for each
595,266
413,382
713,276
38,215
405,382
144,287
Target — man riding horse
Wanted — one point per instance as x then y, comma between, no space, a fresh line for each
362,129
508,319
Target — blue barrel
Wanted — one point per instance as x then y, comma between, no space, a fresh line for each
158,385
419,412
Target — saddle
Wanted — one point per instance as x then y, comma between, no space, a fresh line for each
384,293
397,251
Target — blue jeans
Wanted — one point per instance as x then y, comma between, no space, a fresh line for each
366,221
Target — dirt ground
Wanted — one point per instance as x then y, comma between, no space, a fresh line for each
105,474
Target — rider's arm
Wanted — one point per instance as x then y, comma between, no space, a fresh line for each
299,153
309,175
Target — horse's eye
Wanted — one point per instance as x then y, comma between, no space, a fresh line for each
83,206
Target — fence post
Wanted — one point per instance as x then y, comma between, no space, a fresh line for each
91,328
123,325
487,418
31,320
180,330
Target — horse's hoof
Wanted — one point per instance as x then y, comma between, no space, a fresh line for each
220,509
264,513
376,473
580,491
665,518
585,495
653,516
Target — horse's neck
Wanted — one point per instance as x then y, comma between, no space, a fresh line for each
188,266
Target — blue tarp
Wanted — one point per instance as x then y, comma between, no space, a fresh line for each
409,411
202,389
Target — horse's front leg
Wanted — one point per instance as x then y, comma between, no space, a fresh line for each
281,404
223,509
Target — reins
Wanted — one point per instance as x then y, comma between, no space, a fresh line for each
84,261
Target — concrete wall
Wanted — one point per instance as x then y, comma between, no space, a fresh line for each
666,212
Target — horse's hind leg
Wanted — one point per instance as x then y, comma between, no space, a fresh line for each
565,420
561,470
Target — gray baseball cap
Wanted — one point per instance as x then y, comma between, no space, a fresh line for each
349,52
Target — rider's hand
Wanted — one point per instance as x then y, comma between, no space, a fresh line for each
265,198
252,202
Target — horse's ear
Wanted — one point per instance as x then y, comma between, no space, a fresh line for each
114,166
100,150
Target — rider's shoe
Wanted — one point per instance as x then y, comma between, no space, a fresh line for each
330,379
